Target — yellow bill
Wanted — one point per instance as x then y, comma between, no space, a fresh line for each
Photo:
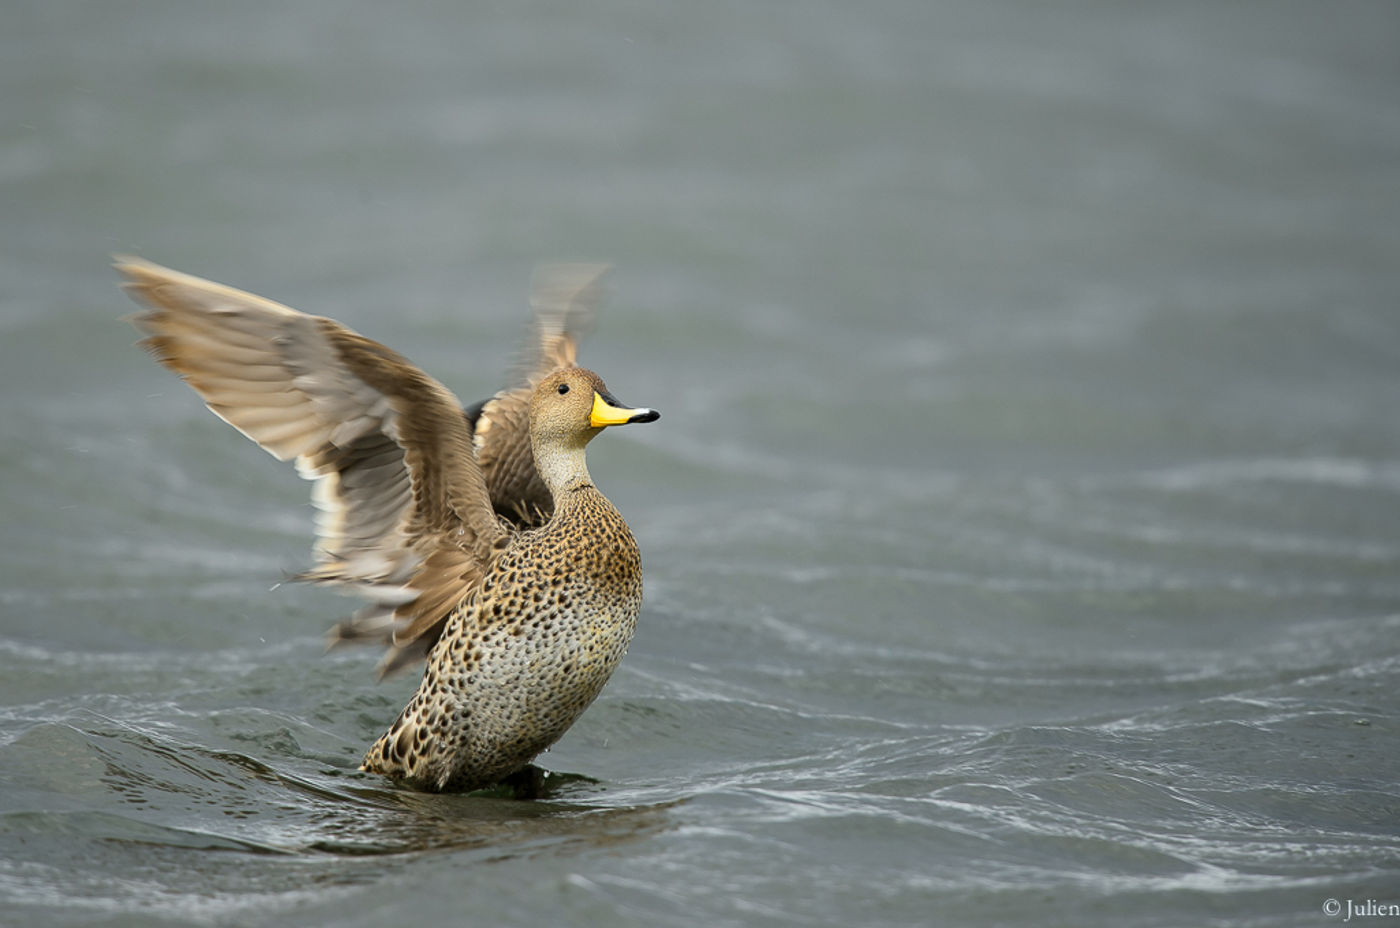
608,411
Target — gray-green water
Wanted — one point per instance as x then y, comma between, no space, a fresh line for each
1022,533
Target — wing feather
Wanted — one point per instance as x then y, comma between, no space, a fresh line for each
564,300
404,517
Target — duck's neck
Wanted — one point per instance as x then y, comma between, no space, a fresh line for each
563,469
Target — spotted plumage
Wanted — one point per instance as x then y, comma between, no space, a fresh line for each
477,536
529,650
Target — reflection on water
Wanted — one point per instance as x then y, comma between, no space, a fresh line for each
263,811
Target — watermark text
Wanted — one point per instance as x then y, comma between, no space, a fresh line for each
1347,909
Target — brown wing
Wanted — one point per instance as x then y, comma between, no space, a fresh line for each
405,520
564,299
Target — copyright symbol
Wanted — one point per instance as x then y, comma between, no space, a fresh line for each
1331,908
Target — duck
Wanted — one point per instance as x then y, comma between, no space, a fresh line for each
475,536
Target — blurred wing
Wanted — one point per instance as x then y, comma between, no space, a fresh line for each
385,443
564,300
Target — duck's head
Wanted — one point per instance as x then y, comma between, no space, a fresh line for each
572,405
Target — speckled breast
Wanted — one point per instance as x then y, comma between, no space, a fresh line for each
519,663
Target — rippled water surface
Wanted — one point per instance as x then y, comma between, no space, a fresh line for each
1020,534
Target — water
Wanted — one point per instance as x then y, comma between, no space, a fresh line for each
1020,534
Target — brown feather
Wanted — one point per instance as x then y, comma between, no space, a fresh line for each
564,299
398,488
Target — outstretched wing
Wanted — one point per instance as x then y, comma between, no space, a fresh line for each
387,446
564,299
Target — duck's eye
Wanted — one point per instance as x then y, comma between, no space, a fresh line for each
563,388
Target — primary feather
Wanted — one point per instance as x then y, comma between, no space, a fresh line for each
401,474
